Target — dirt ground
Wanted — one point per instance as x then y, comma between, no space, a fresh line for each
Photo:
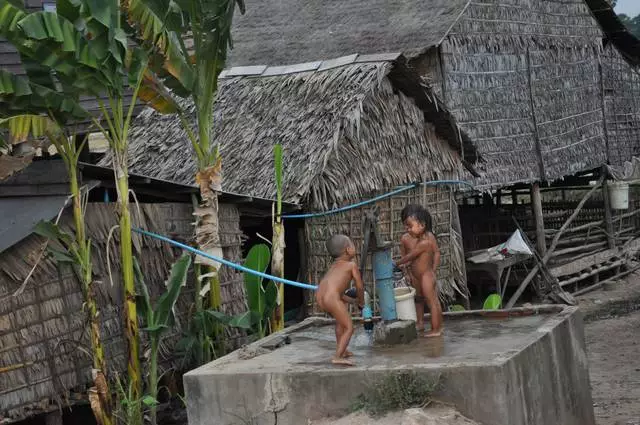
612,332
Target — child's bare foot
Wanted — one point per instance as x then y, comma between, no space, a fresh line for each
420,327
341,361
433,334
347,354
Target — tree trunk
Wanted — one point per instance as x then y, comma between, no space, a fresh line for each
104,412
126,253
208,237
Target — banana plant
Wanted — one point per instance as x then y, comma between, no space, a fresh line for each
83,49
19,97
261,297
193,71
76,252
277,261
158,318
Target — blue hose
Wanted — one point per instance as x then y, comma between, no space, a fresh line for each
225,262
377,198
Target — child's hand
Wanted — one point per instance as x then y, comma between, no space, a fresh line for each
351,293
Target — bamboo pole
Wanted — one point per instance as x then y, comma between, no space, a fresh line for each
608,221
554,243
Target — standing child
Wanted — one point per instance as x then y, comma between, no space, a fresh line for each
420,251
331,293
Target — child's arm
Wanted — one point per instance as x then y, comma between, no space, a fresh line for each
420,248
436,253
357,278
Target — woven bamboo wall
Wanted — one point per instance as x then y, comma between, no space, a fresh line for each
522,79
439,202
43,331
622,105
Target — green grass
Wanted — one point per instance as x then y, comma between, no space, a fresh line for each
396,391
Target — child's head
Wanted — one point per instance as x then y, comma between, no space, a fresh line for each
416,219
340,245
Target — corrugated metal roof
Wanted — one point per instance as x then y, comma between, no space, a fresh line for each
19,215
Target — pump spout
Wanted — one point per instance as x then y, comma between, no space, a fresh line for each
367,313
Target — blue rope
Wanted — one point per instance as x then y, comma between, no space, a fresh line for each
376,199
225,262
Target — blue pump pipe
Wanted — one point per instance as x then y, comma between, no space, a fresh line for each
225,262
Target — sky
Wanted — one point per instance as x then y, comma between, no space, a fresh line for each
629,7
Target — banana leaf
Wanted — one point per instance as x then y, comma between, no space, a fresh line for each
258,259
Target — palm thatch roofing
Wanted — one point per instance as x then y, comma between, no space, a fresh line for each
348,127
626,43
283,32
521,78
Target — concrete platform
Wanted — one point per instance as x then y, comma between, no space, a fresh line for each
522,367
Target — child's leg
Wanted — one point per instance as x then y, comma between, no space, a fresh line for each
339,332
431,293
344,329
419,301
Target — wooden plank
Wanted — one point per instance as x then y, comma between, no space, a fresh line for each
593,272
597,258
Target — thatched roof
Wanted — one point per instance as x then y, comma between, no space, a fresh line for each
520,77
348,127
616,32
283,32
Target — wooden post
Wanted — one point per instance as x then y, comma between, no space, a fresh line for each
536,204
514,196
608,216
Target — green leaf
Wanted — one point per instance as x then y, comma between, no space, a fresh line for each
61,256
177,279
258,259
245,320
21,127
270,298
157,328
218,316
52,231
143,299
154,24
149,401
456,307
11,84
493,302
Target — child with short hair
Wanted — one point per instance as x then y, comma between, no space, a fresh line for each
331,295
419,250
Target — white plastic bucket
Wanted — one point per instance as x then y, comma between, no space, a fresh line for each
619,195
405,304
